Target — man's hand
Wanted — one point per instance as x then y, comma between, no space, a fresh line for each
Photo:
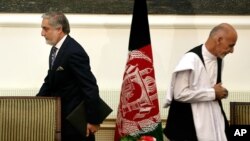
92,128
220,91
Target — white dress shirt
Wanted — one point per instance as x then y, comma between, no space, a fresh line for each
195,85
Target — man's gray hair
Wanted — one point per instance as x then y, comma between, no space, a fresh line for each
57,19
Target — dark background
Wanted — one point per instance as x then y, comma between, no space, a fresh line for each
181,7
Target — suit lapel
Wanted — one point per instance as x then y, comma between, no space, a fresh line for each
60,53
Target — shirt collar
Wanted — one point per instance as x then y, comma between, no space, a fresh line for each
207,53
59,44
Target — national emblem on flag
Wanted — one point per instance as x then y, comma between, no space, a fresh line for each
138,111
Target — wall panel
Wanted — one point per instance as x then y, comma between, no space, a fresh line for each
24,55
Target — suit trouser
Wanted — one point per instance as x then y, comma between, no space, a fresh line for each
71,134
78,138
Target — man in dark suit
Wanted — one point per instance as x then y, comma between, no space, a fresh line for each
69,76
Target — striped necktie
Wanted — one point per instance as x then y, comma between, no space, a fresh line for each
53,55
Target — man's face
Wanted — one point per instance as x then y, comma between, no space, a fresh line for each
51,34
226,45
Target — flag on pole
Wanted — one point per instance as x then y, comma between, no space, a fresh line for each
138,111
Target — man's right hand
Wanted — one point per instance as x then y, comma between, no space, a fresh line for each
220,91
92,128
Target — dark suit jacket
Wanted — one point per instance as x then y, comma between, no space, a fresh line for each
71,79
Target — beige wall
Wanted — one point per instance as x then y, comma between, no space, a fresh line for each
24,54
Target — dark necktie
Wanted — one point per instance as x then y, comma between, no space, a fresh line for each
53,55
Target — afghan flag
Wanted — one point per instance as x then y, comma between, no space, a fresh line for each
138,112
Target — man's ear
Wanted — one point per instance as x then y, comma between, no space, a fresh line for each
219,40
60,29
